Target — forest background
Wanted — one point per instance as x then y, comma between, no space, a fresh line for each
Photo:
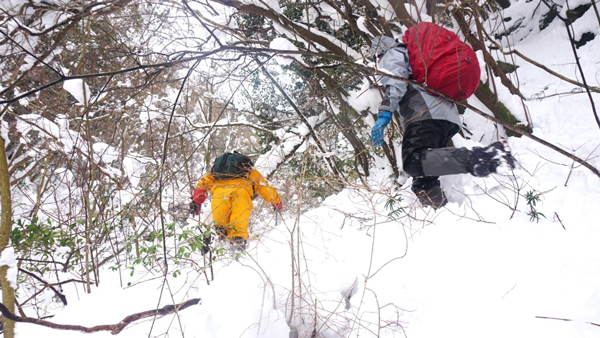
112,110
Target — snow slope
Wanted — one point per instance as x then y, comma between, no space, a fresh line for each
481,267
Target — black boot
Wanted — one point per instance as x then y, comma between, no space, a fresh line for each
239,243
428,192
486,160
221,232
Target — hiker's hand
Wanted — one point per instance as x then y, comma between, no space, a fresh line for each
377,132
195,208
277,206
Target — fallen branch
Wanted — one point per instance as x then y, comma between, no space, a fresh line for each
113,328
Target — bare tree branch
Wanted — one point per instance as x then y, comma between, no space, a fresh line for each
62,297
574,49
165,64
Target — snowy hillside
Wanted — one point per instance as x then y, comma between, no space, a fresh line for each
516,254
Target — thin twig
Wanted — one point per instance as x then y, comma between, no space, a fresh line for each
62,297
560,221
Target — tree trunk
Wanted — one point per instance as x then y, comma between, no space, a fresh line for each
8,293
500,111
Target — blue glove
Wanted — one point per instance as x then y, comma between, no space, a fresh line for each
377,132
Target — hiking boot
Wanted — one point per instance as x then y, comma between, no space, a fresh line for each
429,193
486,160
433,197
239,243
221,232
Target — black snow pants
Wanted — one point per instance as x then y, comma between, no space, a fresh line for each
426,155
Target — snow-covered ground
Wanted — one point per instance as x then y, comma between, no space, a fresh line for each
480,267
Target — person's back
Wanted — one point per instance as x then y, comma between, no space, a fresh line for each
412,102
429,122
232,183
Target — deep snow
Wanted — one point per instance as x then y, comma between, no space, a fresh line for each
473,269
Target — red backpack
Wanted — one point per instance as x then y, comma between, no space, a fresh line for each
440,60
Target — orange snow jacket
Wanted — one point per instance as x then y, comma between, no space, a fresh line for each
232,200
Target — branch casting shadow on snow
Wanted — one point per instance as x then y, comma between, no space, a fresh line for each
113,328
565,320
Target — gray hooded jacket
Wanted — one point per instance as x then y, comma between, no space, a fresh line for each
411,102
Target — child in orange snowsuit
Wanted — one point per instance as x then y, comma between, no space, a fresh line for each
232,201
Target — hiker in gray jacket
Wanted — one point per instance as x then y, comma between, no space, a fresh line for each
429,122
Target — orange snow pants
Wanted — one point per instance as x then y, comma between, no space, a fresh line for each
231,208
